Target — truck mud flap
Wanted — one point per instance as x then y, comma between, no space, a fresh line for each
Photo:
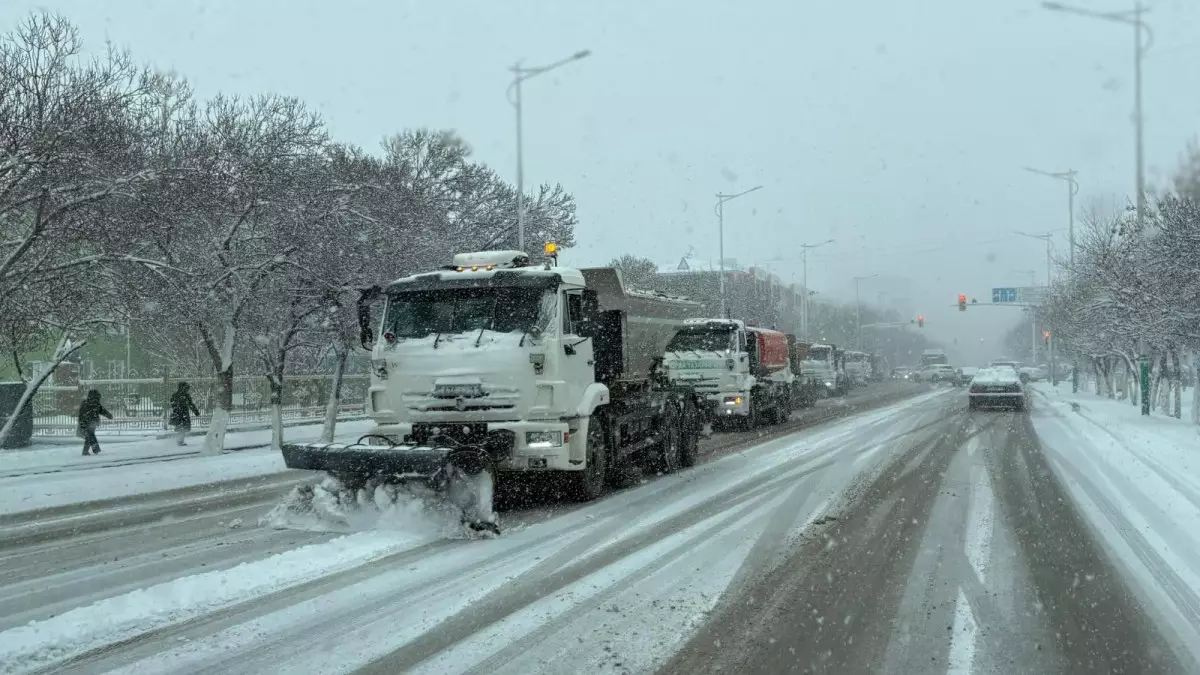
406,461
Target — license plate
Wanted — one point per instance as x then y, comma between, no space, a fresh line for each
458,390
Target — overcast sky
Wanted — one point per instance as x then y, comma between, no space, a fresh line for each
897,128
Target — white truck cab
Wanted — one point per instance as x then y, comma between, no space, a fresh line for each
711,356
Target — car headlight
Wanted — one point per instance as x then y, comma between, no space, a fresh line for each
543,439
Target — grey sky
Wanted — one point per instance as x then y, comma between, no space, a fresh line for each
897,128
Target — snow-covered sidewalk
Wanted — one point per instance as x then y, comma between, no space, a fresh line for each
1137,479
51,477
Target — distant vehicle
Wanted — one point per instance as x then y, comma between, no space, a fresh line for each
858,368
965,374
996,387
1005,364
941,372
932,357
901,373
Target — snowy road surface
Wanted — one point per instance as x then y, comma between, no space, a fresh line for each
911,534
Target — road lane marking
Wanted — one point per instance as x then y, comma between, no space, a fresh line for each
980,521
962,638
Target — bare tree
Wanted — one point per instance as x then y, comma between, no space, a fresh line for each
67,128
224,223
636,271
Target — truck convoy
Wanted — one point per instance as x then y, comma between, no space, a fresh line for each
743,373
493,367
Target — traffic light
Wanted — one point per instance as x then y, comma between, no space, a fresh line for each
962,302
1046,336
920,321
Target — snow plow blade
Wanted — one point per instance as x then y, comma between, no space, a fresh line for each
455,472
404,461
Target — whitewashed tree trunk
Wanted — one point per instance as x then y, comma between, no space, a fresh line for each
61,353
214,441
1176,385
335,392
1195,387
275,381
1132,387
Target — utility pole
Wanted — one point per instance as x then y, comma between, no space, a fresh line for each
720,209
804,284
858,309
520,74
1143,38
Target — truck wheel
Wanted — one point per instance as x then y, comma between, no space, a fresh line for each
589,484
689,427
666,455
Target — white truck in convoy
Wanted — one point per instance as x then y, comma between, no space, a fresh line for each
493,364
825,364
742,372
858,368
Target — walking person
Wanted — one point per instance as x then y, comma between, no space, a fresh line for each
182,409
90,412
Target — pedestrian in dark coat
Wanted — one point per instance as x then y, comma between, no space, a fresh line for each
90,412
182,409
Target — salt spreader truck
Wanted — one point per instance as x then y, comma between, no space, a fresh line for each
493,365
742,372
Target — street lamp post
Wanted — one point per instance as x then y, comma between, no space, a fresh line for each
858,309
720,209
520,74
1143,37
1072,190
1032,324
804,284
1048,238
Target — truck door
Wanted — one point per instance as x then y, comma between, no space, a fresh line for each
578,360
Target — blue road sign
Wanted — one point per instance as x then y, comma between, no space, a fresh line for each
1004,295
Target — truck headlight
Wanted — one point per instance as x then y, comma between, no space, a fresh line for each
733,400
829,384
544,439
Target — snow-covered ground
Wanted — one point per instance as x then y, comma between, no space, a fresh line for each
637,572
58,476
1137,479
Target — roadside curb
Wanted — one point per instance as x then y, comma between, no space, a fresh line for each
162,435
31,527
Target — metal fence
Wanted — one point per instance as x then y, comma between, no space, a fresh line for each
142,405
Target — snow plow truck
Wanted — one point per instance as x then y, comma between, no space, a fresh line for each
493,366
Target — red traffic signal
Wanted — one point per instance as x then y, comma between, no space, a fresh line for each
962,302
1046,336
920,320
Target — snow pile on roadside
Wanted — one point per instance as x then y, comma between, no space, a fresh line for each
39,644
1137,479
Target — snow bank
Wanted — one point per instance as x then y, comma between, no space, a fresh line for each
137,468
42,643
1137,480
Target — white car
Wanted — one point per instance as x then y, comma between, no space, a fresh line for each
996,388
940,372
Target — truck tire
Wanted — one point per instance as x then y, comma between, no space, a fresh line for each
750,421
665,458
589,484
689,426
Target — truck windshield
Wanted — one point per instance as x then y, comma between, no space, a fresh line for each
418,314
702,340
818,353
934,359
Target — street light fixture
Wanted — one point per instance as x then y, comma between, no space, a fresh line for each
858,307
720,209
804,284
520,74
1140,30
1072,190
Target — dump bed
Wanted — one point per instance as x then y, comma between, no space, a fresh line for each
772,348
635,326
